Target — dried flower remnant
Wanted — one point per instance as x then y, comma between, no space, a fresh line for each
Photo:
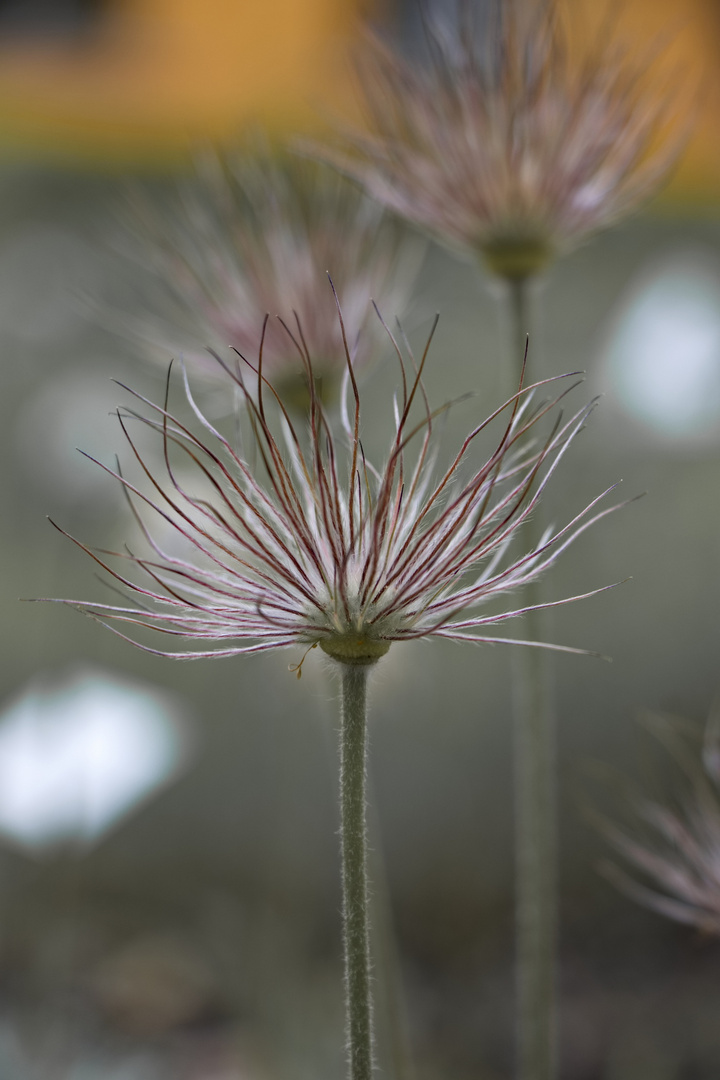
677,848
255,233
316,546
510,139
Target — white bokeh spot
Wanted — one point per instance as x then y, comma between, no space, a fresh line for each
662,359
76,758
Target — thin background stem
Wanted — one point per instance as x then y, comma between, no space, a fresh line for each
392,1023
353,833
535,803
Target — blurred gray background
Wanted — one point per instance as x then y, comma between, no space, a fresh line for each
194,930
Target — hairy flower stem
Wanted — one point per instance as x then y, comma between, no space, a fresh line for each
353,834
535,811
535,855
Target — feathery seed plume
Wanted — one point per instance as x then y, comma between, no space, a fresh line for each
508,139
677,848
255,233
302,541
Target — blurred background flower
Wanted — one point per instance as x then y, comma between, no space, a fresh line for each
508,137
676,846
255,233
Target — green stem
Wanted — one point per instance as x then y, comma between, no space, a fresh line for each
353,834
535,855
535,809
392,1027
519,325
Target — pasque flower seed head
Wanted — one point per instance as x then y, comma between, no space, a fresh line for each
254,231
507,138
303,541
